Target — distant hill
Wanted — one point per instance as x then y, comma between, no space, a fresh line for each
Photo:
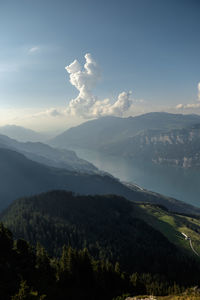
42,153
109,226
102,132
20,176
22,134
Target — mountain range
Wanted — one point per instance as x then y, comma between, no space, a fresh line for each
44,154
21,176
155,137
175,147
107,130
50,197
22,134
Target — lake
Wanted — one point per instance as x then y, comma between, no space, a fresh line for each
170,181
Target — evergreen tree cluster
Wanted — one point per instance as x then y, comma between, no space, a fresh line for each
107,226
29,273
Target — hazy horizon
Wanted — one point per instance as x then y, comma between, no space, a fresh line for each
58,130
64,63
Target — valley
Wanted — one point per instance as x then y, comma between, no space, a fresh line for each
182,184
157,151
112,210
99,150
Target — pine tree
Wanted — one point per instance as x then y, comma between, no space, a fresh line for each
25,293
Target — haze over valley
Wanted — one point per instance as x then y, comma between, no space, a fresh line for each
157,151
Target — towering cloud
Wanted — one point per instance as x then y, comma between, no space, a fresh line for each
86,104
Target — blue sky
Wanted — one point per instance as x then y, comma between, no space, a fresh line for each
150,47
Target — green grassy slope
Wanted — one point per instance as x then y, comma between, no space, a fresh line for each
171,225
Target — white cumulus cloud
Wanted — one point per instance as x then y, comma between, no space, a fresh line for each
87,105
188,106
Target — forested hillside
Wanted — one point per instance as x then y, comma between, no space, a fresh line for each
29,273
107,225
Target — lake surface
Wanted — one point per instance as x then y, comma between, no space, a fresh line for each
170,181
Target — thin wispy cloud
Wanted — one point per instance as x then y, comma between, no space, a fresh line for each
86,104
34,49
50,112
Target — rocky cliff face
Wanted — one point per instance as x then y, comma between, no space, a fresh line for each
176,147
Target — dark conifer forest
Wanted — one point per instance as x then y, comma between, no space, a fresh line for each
30,273
87,247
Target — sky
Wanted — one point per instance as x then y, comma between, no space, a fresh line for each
64,62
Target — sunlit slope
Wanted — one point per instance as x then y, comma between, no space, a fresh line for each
172,225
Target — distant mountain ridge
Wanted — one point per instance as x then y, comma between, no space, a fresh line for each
49,156
20,176
22,134
175,147
107,130
160,138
